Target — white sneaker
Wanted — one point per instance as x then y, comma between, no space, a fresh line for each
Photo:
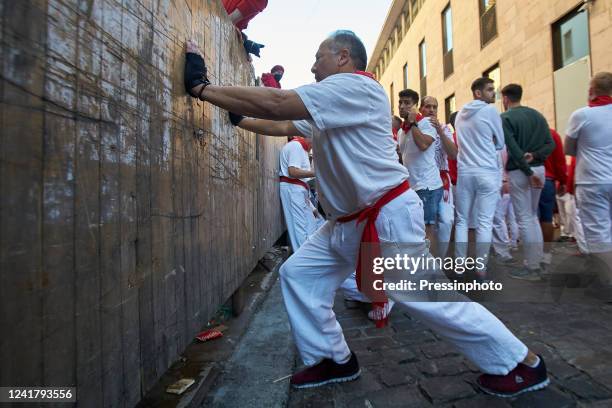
381,313
546,258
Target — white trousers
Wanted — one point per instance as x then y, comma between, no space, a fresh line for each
595,205
446,219
310,278
525,200
300,220
505,229
477,197
569,217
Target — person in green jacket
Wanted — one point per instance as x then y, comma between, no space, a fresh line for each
529,143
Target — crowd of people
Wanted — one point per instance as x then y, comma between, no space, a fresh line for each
476,173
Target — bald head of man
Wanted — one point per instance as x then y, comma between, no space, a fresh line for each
429,106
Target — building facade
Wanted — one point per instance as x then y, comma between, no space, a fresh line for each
550,47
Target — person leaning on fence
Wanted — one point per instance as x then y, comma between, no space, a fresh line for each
366,196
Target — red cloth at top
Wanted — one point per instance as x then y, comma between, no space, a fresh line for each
452,164
555,165
406,126
269,81
394,131
601,100
571,173
248,9
303,142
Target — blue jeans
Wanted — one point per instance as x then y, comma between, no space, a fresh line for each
431,203
546,206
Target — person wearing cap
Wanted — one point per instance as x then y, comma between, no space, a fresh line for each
272,79
366,195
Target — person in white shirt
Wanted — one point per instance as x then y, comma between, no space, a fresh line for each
589,138
416,140
367,198
479,136
300,214
445,149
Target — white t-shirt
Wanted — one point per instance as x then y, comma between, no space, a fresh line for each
293,155
591,129
353,149
421,164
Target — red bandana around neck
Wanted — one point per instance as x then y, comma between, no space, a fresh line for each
368,74
406,126
601,100
303,142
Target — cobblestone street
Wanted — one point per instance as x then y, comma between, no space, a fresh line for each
407,365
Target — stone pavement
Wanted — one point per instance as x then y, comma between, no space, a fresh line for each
407,365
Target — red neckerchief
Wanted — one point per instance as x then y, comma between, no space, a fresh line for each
406,126
368,74
602,100
369,249
303,142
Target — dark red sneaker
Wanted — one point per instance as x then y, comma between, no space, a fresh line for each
522,379
327,372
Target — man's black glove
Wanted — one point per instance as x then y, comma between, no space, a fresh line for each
252,47
195,73
235,118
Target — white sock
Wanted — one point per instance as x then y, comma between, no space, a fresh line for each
346,360
535,364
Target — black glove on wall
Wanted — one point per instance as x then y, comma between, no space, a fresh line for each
195,72
235,118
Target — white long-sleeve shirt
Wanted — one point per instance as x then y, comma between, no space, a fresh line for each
479,136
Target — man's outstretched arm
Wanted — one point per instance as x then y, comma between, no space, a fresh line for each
257,102
269,127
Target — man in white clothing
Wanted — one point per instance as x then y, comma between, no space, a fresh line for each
300,214
445,149
365,193
589,138
416,140
479,137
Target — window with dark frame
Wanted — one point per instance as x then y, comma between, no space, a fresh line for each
405,71
449,107
423,67
570,38
495,74
488,21
447,41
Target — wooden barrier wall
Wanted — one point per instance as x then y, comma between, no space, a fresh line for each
128,211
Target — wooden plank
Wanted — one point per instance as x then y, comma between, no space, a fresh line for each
21,155
111,301
59,332
87,264
131,279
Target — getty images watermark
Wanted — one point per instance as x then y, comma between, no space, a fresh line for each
389,268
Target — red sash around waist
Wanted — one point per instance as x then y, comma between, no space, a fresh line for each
290,180
371,249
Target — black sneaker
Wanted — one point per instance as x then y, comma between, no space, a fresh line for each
327,372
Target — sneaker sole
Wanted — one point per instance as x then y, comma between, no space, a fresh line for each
535,387
330,381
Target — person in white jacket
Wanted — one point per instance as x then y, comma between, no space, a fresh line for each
479,136
295,193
